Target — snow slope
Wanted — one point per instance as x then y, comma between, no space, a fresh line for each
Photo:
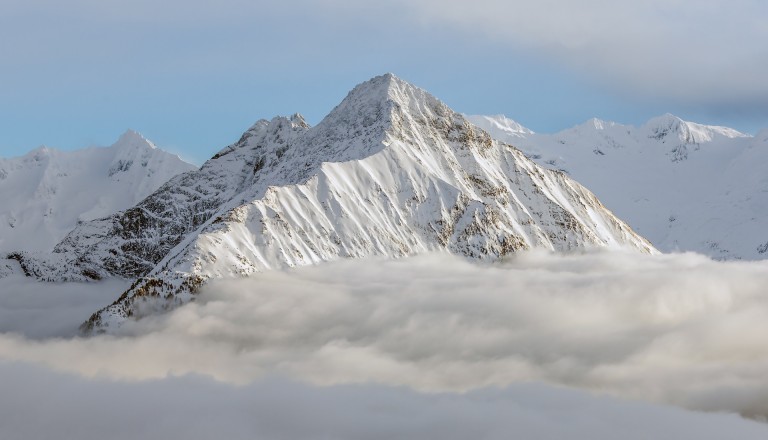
391,171
47,192
684,186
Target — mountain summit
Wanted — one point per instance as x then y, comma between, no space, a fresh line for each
391,171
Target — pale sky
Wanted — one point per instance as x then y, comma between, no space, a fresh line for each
193,75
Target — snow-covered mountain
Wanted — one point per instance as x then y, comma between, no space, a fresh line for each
390,171
682,185
47,192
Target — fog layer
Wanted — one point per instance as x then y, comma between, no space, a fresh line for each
677,329
40,404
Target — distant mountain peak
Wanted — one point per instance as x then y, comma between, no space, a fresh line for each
660,127
598,124
133,140
40,154
500,124
665,119
298,119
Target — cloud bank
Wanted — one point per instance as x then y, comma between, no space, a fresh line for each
44,310
40,404
677,329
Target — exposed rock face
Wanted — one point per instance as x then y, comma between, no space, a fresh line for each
390,171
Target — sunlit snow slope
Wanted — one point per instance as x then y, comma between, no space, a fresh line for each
684,186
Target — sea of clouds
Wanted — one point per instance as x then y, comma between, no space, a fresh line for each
428,346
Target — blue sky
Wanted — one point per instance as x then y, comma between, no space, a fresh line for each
192,75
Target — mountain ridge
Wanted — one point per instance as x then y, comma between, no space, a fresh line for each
685,186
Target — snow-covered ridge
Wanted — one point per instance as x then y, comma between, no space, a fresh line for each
684,186
688,132
47,192
499,124
391,171
658,128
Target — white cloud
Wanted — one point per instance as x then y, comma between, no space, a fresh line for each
678,329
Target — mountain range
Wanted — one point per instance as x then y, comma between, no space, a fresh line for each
391,171
684,186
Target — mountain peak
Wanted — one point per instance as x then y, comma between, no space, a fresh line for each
598,124
370,101
386,80
688,132
661,127
132,139
378,88
666,118
390,88
373,110
667,121
41,150
589,126
298,119
500,126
